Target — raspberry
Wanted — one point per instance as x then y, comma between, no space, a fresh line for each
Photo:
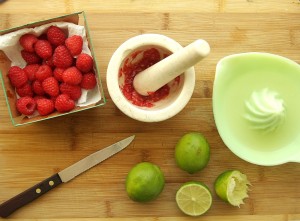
17,76
43,49
27,41
88,81
50,86
56,36
38,88
62,57
57,73
64,103
49,61
43,72
39,97
53,99
30,57
26,105
74,44
25,90
72,76
74,91
44,106
30,71
84,62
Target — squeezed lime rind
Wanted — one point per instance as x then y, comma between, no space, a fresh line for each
232,186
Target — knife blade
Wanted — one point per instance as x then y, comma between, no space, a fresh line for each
34,192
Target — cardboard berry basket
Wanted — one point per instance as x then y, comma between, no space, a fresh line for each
71,24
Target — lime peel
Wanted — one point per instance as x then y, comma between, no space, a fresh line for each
192,152
144,182
232,186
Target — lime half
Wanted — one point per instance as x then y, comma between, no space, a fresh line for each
194,198
232,186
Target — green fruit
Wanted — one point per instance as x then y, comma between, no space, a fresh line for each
232,187
144,182
192,152
194,198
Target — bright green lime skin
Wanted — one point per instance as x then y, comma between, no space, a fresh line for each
192,152
144,182
221,184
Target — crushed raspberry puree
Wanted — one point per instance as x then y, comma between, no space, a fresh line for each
134,64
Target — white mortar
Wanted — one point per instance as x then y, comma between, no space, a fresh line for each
164,109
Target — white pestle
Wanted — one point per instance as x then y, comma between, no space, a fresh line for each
164,71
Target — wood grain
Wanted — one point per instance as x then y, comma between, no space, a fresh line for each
29,154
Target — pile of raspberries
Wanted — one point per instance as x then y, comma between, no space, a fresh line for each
55,73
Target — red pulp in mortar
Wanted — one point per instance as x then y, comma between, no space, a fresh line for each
134,64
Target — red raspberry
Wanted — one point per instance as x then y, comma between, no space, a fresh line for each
43,49
43,72
62,57
17,76
44,106
88,81
39,97
25,90
74,44
30,57
56,36
74,91
53,99
30,71
38,88
26,105
27,41
72,76
49,61
57,73
84,62
50,86
64,103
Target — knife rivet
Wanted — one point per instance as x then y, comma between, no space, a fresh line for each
51,183
38,190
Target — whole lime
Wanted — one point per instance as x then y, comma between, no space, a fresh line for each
192,152
144,182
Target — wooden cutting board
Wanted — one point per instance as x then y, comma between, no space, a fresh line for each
29,154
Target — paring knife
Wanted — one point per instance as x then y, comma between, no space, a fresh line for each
63,176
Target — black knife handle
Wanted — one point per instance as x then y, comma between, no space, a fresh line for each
29,195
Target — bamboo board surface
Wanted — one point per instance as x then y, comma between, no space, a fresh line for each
29,154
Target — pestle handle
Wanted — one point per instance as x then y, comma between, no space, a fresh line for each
166,70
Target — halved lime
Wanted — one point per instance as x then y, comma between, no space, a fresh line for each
232,186
194,198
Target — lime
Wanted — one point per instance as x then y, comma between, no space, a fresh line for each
192,152
232,186
194,198
144,182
